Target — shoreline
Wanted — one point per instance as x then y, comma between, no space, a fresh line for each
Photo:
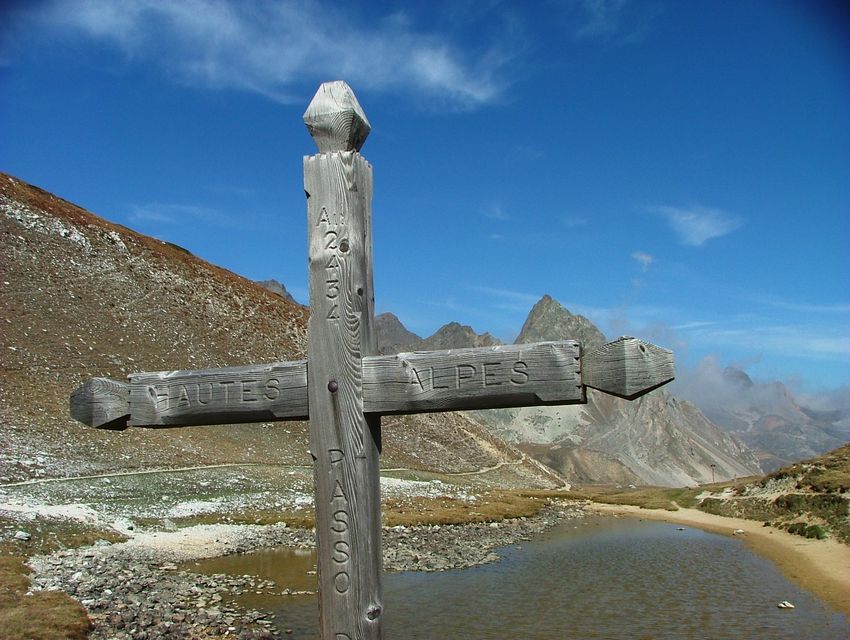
819,566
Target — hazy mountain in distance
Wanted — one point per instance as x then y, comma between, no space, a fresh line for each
765,416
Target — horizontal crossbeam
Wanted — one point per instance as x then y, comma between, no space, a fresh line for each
543,373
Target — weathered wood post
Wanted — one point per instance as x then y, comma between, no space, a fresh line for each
344,387
345,443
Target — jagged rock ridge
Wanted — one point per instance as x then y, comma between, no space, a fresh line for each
458,336
548,320
393,337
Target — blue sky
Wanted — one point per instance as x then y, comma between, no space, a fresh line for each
679,171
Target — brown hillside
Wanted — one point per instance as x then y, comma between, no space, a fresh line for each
83,297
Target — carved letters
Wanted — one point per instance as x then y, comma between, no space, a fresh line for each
168,397
333,224
464,376
340,525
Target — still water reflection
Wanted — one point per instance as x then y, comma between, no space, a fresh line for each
607,578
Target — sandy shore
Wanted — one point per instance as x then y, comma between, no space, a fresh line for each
821,566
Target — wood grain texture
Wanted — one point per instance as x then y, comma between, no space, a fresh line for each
101,403
542,373
344,441
335,119
424,381
481,378
261,393
628,368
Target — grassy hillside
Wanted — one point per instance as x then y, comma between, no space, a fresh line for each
809,498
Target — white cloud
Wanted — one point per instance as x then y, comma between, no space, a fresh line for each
644,259
697,225
270,47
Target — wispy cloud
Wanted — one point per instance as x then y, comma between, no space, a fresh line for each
171,214
804,307
602,17
696,225
571,222
271,47
618,22
509,299
495,211
643,259
694,324
797,341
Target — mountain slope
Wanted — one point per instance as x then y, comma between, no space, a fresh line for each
657,439
82,297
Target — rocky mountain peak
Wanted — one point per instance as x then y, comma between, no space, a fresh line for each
458,336
549,320
277,288
393,336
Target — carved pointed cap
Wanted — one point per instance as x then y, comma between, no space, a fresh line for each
335,119
628,368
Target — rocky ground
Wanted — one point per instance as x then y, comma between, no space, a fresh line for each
148,526
135,589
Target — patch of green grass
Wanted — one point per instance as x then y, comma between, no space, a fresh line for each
669,499
44,615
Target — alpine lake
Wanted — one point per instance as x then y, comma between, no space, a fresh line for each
600,577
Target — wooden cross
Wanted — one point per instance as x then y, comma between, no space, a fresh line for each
344,387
